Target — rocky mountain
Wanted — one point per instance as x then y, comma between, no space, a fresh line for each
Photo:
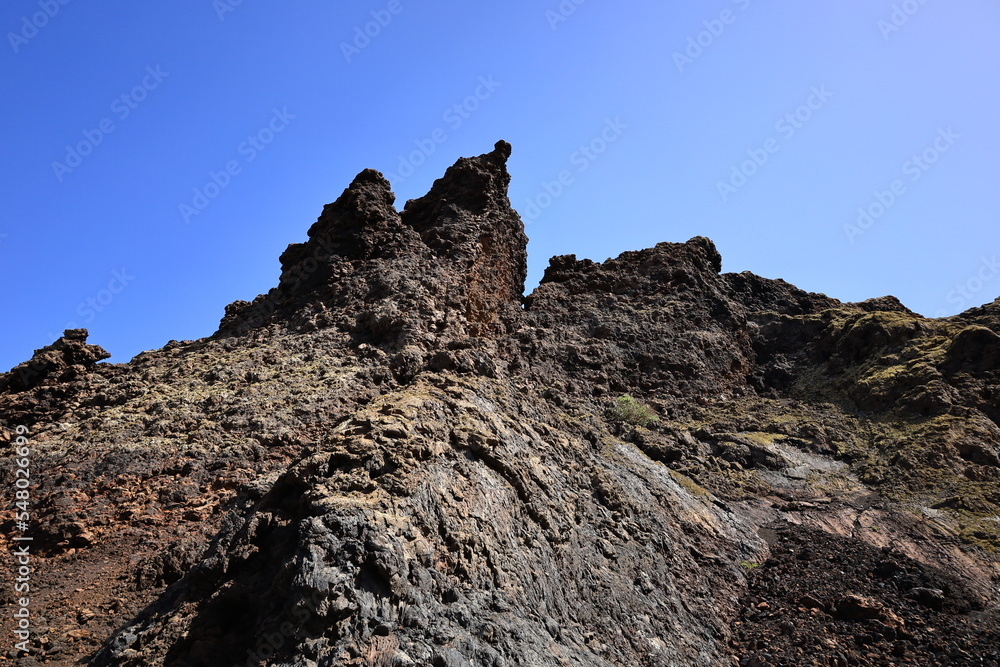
395,458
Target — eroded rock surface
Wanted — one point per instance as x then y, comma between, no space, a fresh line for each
395,458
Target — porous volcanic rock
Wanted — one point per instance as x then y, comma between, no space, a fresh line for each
66,360
450,265
395,457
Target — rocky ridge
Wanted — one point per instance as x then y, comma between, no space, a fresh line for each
396,458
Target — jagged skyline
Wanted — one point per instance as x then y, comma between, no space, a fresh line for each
386,460
211,129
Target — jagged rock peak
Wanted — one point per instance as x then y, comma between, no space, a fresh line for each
475,184
458,254
65,359
659,265
356,225
467,218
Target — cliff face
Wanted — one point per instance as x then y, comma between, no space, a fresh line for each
395,458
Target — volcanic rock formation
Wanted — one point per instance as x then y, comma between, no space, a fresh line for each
394,457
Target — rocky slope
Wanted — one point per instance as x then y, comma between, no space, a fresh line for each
396,458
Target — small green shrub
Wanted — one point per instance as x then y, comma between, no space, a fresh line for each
627,410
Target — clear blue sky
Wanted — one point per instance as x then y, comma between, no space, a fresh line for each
183,86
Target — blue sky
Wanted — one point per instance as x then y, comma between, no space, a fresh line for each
160,156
